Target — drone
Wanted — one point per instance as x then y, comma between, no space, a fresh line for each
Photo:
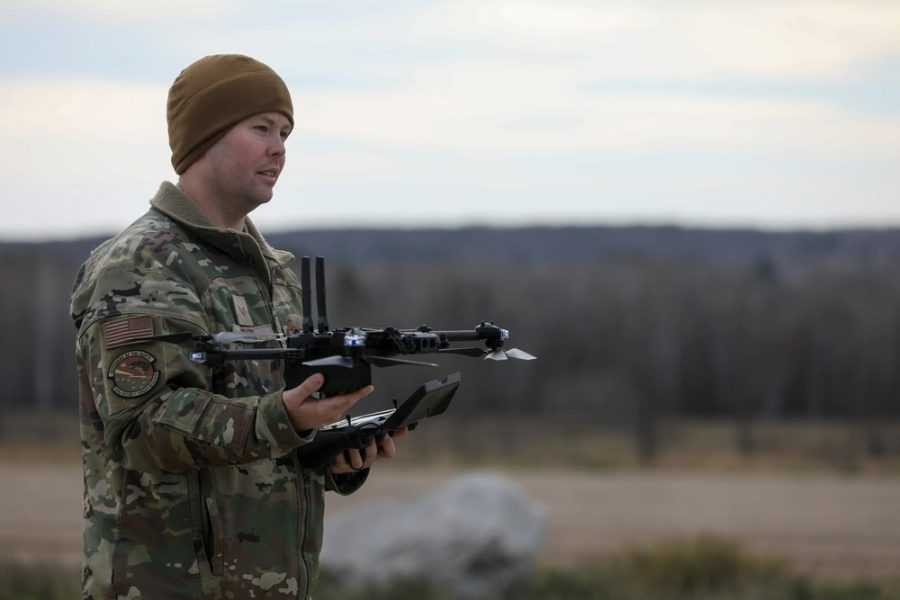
346,356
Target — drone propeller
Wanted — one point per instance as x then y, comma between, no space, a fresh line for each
175,338
468,351
227,337
223,337
330,361
498,354
501,354
385,361
378,361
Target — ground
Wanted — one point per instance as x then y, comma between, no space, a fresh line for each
826,524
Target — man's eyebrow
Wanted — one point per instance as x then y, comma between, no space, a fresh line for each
274,121
271,122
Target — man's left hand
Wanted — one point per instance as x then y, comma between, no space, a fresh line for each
353,459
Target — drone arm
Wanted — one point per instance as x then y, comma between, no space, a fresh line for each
492,335
216,356
459,335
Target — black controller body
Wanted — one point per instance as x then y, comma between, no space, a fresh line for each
429,400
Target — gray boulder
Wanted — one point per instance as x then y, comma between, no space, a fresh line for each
478,537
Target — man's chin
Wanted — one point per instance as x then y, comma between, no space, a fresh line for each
256,202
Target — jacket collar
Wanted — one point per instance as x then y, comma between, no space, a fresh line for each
178,206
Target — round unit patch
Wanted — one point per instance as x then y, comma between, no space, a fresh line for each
133,374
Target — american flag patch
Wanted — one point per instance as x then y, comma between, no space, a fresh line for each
118,333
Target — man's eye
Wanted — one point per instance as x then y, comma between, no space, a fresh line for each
262,128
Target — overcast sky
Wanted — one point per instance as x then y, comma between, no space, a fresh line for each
772,114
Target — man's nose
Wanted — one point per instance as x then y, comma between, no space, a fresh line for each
276,148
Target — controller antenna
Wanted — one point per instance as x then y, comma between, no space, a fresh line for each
320,294
306,294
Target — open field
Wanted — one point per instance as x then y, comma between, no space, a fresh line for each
827,525
811,494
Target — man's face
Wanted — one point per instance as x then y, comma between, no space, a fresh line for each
245,164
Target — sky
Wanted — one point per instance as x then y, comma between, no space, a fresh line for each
769,114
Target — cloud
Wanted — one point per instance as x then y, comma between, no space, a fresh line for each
809,39
110,110
133,10
698,38
489,108
618,39
79,153
495,109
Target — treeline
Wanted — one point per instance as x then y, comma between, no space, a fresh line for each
630,324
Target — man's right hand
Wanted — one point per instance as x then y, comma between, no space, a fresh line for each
307,413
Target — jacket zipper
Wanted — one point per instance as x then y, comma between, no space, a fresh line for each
211,524
303,521
304,491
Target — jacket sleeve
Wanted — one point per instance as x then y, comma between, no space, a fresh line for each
157,409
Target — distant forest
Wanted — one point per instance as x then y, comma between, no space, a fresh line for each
630,324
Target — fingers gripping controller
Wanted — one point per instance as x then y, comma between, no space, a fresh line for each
429,400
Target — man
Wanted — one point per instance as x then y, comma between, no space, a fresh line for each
192,488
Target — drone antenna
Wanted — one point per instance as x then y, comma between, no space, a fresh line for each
306,294
320,294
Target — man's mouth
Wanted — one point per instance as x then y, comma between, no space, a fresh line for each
269,173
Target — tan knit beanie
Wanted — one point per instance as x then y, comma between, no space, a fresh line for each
215,93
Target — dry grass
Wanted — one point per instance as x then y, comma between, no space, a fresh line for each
695,445
711,445
39,437
810,494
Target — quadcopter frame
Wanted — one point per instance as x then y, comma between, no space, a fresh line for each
346,356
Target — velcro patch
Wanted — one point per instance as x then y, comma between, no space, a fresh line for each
122,331
133,373
242,311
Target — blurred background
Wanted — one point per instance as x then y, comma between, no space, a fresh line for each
687,210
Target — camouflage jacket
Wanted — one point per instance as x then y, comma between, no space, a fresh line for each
191,488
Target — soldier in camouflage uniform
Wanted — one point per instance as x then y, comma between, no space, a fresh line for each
191,486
